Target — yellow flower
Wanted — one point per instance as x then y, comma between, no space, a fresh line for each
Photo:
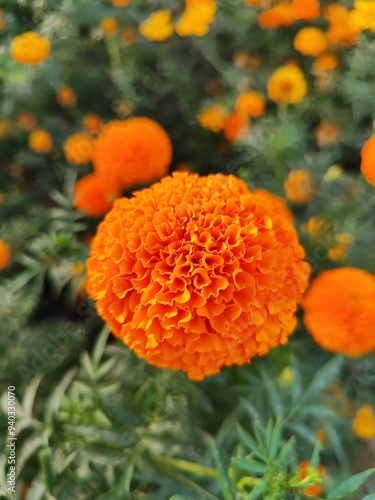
333,173
287,85
40,141
364,14
298,186
197,17
338,253
109,26
30,48
315,226
78,148
158,26
213,118
364,423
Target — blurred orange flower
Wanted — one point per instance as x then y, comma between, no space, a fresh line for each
120,3
364,423
27,121
40,141
306,10
157,26
4,255
30,48
132,151
327,134
326,62
236,126
299,186
92,123
339,311
368,161
196,273
196,18
109,26
78,148
94,196
213,118
310,41
279,15
66,97
316,490
251,103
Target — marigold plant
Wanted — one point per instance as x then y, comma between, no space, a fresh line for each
287,85
78,148
338,311
94,195
197,273
30,48
40,141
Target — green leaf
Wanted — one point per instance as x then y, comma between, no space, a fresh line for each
100,346
274,443
250,465
87,365
223,478
320,381
370,497
273,395
45,459
349,486
249,441
257,491
314,460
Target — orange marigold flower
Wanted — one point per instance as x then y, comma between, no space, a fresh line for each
109,26
236,126
364,14
368,161
306,10
299,186
196,273
66,97
339,311
326,62
310,41
157,26
40,141
197,17
78,148
4,255
327,134
341,28
120,3
287,84
132,151
94,196
305,470
30,48
213,118
364,423
279,205
5,126
27,121
279,15
251,103
92,123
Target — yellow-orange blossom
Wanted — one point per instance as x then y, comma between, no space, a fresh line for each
196,273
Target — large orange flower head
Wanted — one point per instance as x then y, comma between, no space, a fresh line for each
339,311
196,273
368,161
132,151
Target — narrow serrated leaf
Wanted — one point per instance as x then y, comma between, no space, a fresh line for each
100,346
250,442
223,478
45,460
273,396
250,465
274,443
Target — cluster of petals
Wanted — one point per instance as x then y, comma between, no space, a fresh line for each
287,85
339,311
196,18
196,273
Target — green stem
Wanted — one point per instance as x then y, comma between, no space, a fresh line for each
185,466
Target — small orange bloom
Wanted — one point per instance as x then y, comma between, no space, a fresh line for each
213,118
132,151
158,26
30,48
364,423
310,41
40,141
4,255
236,126
327,134
339,311
27,121
368,161
128,36
299,186
287,84
109,26
94,196
306,10
78,148
196,273
304,469
250,103
66,97
341,28
326,62
279,15
120,3
92,123
197,17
